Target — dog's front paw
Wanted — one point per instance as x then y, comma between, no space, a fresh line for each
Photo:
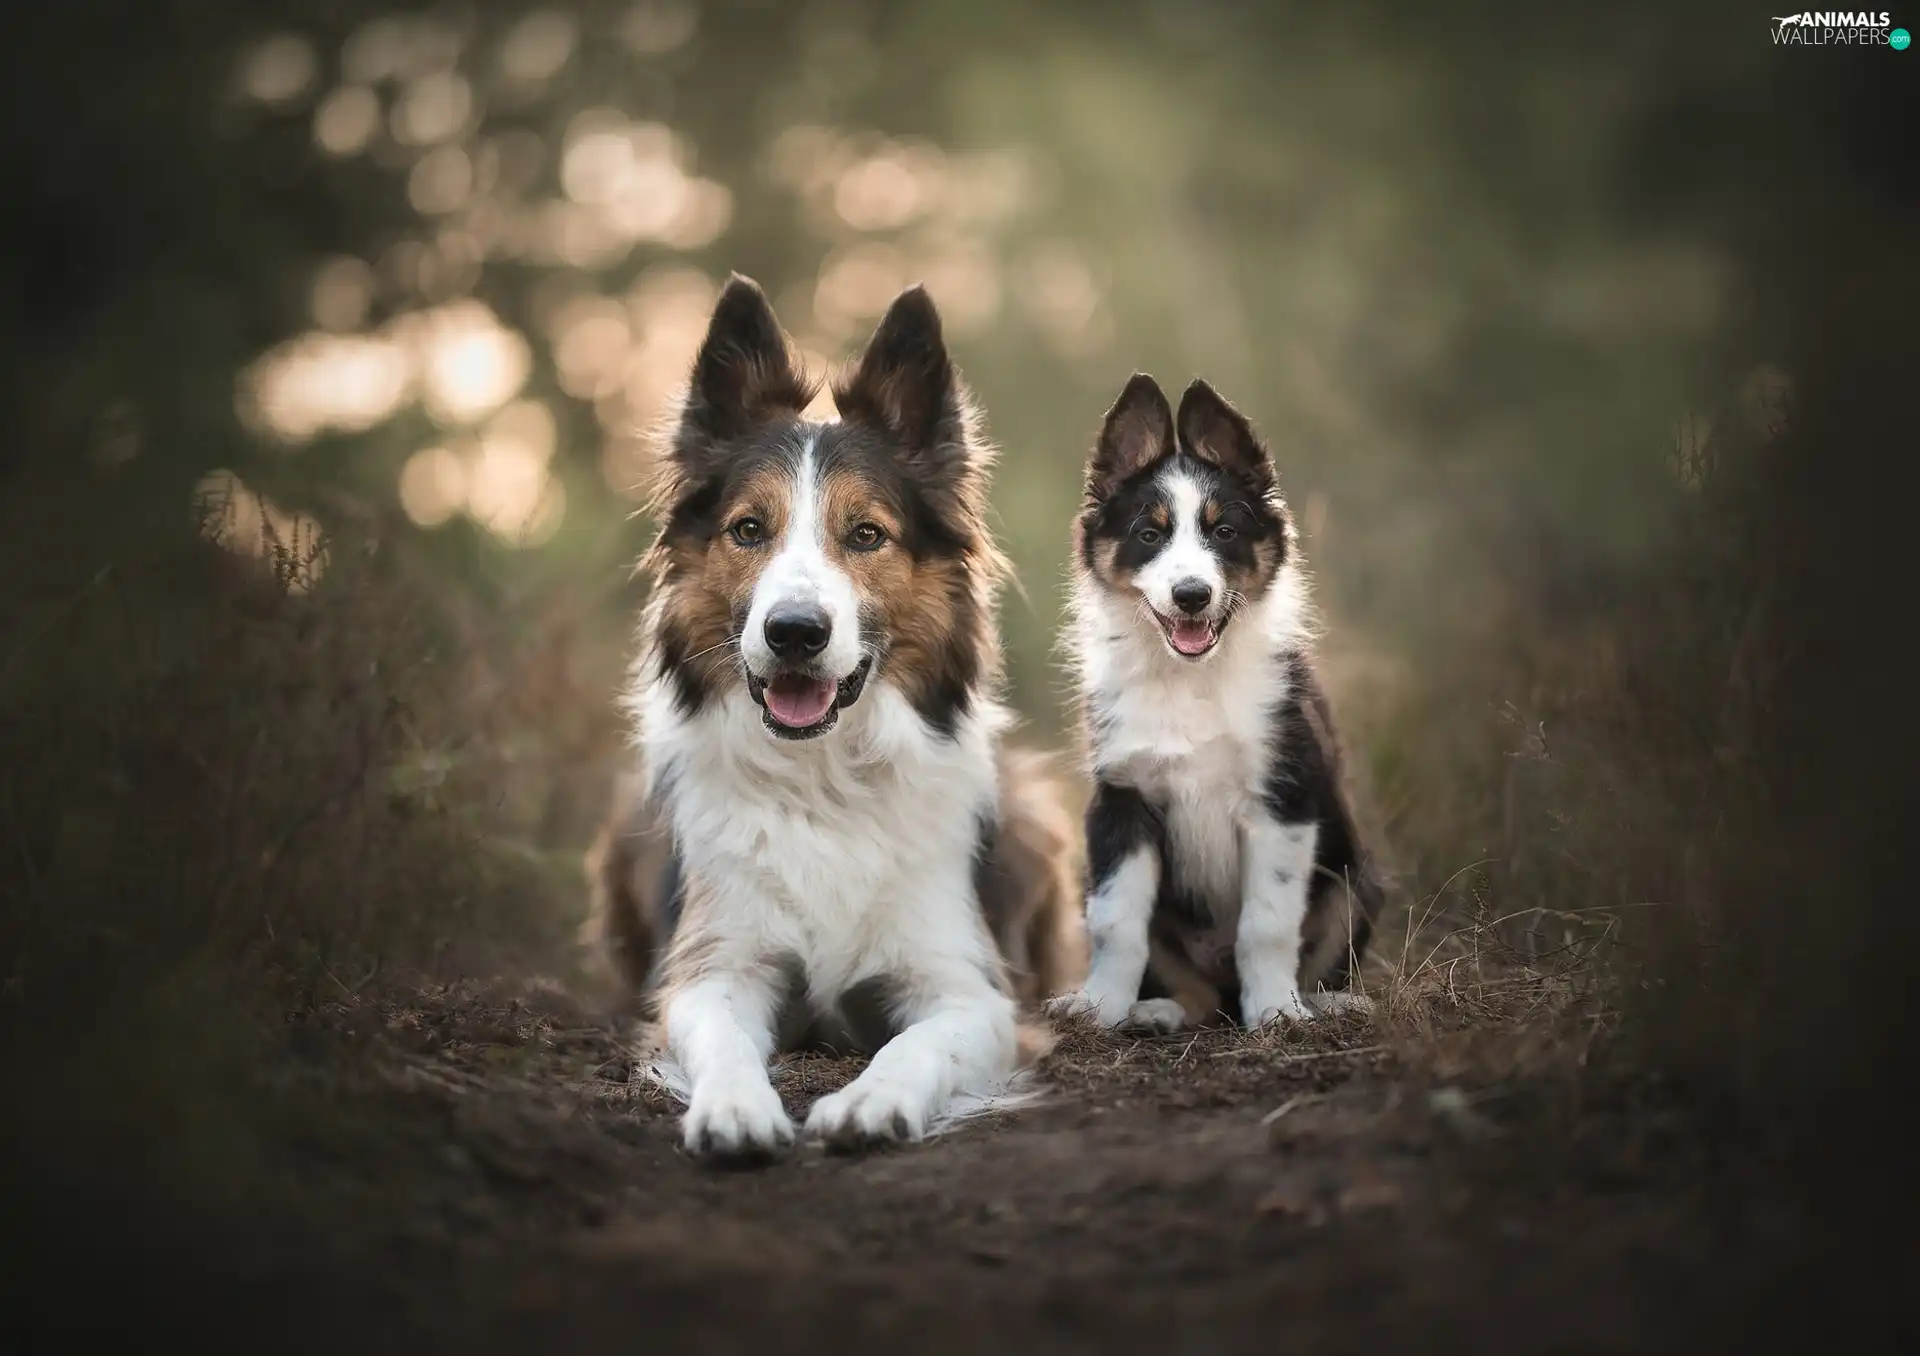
1282,1005
868,1114
1159,1016
736,1120
1103,1010
1341,1003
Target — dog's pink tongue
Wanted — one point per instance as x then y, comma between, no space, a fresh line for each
1192,637
798,702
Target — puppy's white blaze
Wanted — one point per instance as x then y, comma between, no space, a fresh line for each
801,573
1184,557
1273,910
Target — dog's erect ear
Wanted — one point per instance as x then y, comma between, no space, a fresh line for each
744,372
1215,431
905,383
1138,432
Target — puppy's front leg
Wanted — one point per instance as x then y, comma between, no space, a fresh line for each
1123,881
1277,875
959,1037
719,1029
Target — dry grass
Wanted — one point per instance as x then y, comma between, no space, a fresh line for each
301,859
237,793
208,765
235,788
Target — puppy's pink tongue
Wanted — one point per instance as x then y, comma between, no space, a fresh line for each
798,702
1192,637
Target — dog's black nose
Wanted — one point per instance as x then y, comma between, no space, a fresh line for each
797,632
1191,596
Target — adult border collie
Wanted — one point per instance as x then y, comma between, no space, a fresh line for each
825,839
1225,872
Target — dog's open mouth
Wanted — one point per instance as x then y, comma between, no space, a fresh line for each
1191,636
799,705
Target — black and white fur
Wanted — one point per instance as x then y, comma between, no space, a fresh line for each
1225,872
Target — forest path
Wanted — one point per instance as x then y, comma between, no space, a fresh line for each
1317,1191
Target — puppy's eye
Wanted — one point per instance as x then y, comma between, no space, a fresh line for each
1225,532
1148,536
867,537
748,531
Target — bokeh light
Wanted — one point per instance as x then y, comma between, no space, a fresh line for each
397,48
375,51
325,383
433,486
591,338
511,494
856,284
343,291
347,120
441,181
433,108
279,70
529,424
538,46
501,163
470,363
291,545
656,27
886,190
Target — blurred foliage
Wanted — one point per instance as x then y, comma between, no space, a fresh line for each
1522,297
349,250
216,778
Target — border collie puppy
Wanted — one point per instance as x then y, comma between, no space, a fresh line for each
1225,875
825,839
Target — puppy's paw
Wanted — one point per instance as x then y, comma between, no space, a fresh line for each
1103,1010
1281,1005
1340,1003
1157,1016
736,1119
868,1114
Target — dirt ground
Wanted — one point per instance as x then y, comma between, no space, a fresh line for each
497,1177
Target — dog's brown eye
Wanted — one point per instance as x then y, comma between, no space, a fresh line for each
1225,532
867,537
748,531
1148,536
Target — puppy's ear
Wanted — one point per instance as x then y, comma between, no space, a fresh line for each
1137,432
906,385
1215,431
745,372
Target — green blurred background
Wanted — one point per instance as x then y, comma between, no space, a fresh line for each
330,333
455,260
1507,291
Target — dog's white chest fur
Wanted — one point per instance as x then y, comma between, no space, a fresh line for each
1192,738
851,855
825,850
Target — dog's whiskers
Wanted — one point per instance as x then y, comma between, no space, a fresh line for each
730,654
730,640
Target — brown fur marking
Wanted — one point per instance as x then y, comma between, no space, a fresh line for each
1031,891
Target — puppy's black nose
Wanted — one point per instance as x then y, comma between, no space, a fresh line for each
799,632
1191,596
